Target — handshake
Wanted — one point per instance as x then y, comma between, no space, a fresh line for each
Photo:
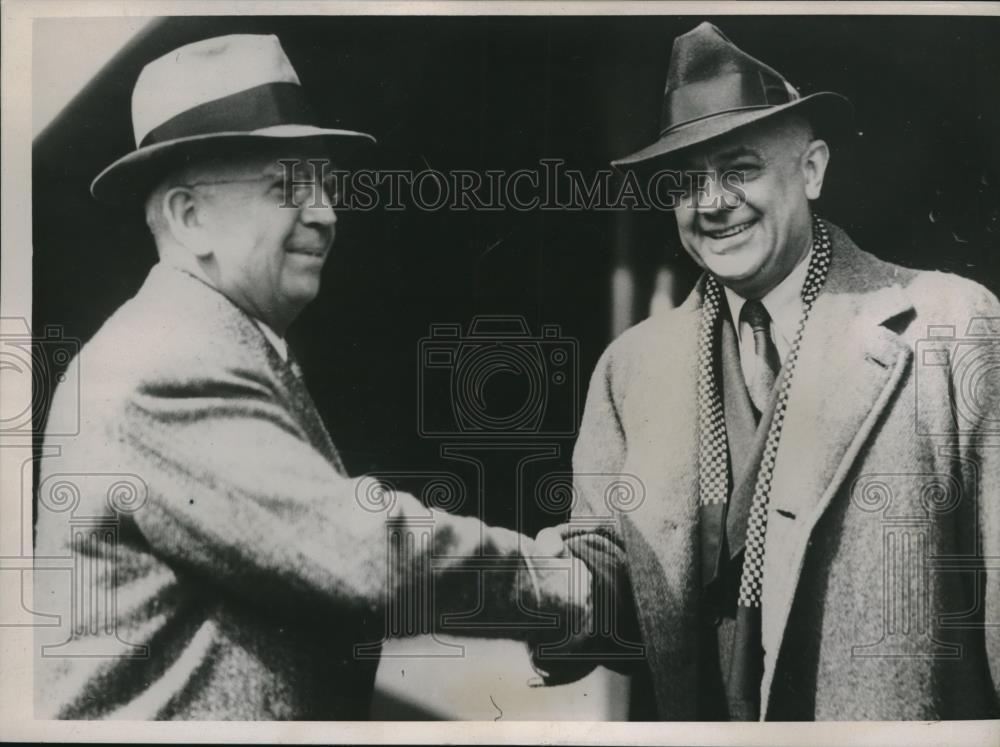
564,589
558,592
488,581
561,588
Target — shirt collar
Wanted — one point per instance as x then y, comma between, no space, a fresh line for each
277,342
783,302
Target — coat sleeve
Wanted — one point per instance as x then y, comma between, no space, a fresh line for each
592,535
238,496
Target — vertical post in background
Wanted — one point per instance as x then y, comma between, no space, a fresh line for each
623,280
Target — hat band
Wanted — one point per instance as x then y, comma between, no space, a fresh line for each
254,108
721,94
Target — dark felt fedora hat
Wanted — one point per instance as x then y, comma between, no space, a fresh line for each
714,87
221,96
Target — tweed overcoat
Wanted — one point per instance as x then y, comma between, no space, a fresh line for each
207,555
881,597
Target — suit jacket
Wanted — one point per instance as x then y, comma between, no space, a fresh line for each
881,597
209,557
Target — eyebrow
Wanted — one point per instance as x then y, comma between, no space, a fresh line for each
739,152
297,174
730,154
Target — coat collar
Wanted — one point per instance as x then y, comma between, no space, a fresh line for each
180,297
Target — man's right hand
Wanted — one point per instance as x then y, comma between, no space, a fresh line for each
563,586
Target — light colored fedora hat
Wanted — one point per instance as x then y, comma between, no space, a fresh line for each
714,87
227,94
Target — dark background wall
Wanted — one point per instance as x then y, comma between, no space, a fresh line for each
918,186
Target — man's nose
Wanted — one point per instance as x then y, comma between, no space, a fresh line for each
712,197
318,213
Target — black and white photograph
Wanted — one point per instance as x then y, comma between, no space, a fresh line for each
420,373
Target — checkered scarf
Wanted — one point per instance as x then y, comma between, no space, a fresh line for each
713,462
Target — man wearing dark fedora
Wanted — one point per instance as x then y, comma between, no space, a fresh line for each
821,526
225,566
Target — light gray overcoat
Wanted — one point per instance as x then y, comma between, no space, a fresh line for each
881,595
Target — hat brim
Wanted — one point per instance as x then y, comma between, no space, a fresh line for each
130,179
831,115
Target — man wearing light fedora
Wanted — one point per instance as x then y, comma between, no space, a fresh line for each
818,433
224,565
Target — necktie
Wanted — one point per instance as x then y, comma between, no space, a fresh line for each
766,354
313,422
293,364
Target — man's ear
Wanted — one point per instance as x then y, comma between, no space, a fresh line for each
814,161
184,215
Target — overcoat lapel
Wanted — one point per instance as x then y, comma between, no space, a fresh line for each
303,407
174,283
849,365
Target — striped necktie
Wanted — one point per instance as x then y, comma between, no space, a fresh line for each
768,364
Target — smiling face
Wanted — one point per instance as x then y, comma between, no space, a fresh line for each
750,244
261,250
